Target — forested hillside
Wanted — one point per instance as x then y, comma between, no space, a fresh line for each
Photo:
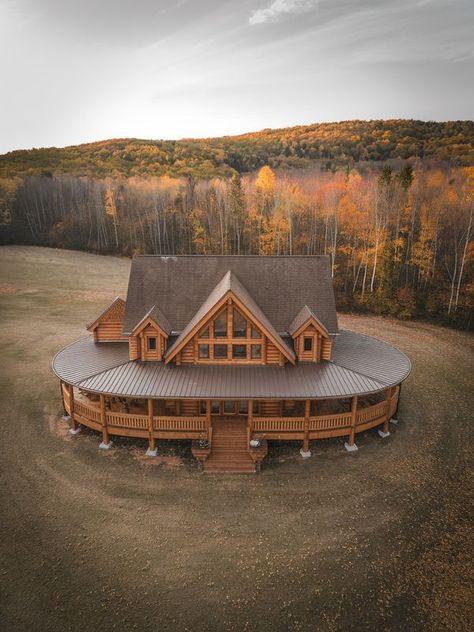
328,145
399,238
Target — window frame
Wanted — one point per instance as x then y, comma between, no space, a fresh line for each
151,340
310,340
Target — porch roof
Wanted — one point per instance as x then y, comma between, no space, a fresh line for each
360,365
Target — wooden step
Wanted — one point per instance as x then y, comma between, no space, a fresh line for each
229,450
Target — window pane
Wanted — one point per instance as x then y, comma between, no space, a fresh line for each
229,408
243,407
239,351
220,325
204,333
203,351
202,407
220,351
240,325
151,344
215,407
256,352
308,344
255,333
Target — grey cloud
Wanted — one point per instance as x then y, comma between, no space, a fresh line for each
75,71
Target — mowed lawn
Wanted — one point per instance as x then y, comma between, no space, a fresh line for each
377,540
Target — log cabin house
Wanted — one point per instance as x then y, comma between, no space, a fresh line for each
229,352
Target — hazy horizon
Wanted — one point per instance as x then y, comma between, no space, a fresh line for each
84,72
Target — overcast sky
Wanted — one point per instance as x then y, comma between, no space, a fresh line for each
73,71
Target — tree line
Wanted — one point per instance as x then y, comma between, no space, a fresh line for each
400,241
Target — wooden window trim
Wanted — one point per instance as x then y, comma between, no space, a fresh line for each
208,320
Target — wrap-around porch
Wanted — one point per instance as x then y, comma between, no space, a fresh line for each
259,420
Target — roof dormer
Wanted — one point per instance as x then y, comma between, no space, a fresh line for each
149,336
311,338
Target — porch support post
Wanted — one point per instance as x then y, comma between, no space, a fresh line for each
152,451
208,418
351,445
75,428
305,451
385,432
250,417
106,443
71,404
398,390
65,413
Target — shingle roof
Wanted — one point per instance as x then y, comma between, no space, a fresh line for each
229,283
158,317
360,365
179,284
301,317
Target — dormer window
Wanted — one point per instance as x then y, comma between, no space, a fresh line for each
308,344
151,343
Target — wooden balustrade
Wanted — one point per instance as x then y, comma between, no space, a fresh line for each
87,410
187,427
127,420
179,423
278,424
372,412
330,422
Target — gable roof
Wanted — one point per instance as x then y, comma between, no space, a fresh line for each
157,316
116,303
230,284
302,317
281,284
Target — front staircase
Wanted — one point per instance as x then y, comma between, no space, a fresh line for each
229,452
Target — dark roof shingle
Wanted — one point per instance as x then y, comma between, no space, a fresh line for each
229,283
178,285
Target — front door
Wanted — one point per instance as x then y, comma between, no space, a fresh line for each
229,407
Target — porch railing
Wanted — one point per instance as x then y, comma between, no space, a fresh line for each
179,423
278,424
327,425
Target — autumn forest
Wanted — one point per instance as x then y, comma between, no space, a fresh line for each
399,232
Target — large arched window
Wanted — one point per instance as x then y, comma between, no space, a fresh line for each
230,337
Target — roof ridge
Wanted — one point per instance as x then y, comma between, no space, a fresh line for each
196,256
367,377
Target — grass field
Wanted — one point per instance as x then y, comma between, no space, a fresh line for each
377,540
